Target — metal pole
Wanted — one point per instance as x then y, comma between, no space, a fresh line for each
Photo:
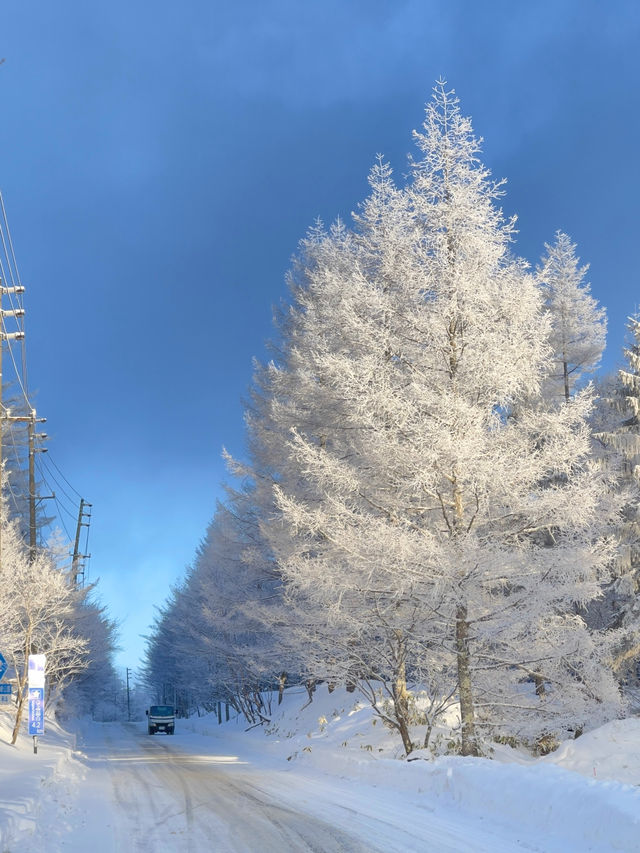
128,698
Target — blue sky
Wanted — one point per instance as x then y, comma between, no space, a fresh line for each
160,162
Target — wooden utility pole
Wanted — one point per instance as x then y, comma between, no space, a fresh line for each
31,426
77,556
31,421
6,336
32,489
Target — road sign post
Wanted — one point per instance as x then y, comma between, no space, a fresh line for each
36,710
37,665
5,689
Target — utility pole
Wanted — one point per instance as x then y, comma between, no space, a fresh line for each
128,698
31,421
31,425
77,556
6,336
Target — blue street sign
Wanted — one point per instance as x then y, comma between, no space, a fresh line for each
36,710
3,665
5,693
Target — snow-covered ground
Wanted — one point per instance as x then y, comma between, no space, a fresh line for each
324,777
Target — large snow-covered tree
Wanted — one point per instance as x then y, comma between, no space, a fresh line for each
578,325
421,479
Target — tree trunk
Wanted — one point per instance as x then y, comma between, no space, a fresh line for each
22,693
22,685
282,680
565,372
310,687
401,695
467,712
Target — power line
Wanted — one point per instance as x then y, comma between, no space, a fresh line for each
64,478
11,287
61,519
15,365
41,465
16,289
6,222
61,488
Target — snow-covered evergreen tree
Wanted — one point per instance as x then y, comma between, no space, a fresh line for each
578,325
414,508
217,638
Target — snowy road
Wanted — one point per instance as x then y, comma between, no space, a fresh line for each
165,798
161,793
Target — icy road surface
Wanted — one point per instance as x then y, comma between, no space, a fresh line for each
163,793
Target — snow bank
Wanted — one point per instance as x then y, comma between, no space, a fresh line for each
32,786
579,798
611,752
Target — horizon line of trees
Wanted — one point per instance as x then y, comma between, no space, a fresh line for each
435,508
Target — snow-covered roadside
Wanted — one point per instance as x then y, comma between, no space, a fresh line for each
582,797
35,790
333,761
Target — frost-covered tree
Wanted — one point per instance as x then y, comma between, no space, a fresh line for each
421,479
578,325
617,429
40,607
41,613
217,636
91,690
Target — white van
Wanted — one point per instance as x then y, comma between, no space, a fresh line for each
162,718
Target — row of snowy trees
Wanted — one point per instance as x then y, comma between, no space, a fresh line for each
424,512
43,612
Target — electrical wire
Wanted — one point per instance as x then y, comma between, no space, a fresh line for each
62,509
65,479
61,518
45,463
20,373
21,297
6,222
10,276
15,365
47,475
